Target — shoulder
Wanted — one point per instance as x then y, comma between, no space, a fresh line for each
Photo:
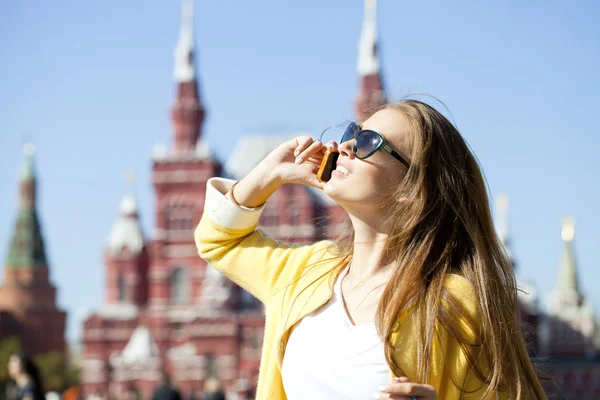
463,290
462,303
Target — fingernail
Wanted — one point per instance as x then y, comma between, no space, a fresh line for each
296,152
298,160
382,388
399,378
377,395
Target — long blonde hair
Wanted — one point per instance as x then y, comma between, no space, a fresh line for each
446,227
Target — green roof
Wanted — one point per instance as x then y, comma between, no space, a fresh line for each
27,245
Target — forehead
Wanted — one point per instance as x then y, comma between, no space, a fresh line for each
392,125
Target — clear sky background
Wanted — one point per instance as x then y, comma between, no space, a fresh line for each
91,82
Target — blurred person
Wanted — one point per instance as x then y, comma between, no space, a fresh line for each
213,390
166,391
23,371
418,300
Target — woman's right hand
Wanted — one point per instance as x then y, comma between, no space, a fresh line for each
298,161
295,161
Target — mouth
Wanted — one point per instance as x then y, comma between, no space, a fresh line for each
341,170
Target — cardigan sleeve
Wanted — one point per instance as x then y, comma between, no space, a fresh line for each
228,240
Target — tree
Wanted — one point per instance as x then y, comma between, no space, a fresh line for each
52,368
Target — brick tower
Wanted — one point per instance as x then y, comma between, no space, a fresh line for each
27,297
179,179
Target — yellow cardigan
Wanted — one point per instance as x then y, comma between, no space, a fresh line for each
292,281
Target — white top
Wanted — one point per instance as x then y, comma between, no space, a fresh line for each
329,358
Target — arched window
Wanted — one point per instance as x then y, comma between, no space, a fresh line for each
179,285
121,289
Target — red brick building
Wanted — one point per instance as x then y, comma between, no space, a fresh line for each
165,309
28,307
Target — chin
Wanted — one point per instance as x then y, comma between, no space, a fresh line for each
336,189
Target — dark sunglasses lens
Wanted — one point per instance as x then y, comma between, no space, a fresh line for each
349,133
366,143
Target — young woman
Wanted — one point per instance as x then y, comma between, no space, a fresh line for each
420,303
26,376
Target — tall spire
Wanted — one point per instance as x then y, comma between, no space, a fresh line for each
502,222
567,275
27,245
187,113
184,52
368,58
371,94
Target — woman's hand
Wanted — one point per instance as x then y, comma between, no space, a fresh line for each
298,161
295,161
403,388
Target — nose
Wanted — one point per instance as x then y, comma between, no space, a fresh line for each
346,148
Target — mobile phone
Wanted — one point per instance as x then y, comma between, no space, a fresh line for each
327,165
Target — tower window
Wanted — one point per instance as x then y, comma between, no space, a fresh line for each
121,289
179,285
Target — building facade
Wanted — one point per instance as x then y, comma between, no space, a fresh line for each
166,310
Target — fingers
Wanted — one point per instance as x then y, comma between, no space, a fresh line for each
312,149
302,142
403,388
332,145
387,396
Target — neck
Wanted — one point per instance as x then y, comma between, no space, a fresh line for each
370,239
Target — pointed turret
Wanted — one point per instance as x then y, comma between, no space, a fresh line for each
141,354
141,346
126,232
567,274
185,70
502,223
569,327
126,256
187,113
27,245
371,92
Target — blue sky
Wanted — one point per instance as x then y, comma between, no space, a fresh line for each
91,82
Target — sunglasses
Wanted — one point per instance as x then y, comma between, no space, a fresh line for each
368,142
